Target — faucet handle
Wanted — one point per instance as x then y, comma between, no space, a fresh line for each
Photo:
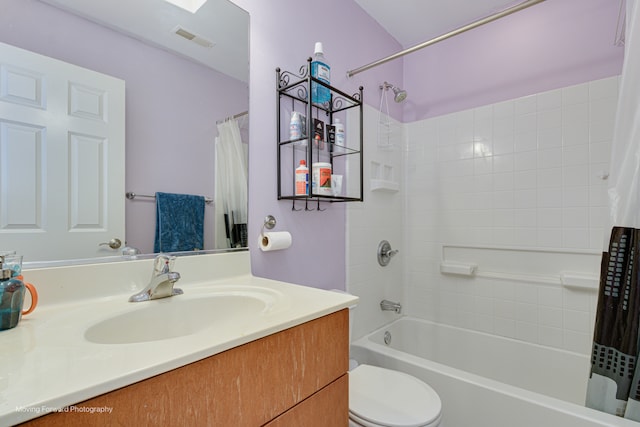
163,264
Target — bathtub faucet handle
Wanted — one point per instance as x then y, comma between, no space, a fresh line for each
385,253
391,253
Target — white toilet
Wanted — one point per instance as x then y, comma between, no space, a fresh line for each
380,397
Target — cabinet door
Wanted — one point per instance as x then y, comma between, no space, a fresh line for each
328,407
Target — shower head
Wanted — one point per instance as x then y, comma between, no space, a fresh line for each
399,95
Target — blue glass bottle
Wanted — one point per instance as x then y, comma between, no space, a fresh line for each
11,298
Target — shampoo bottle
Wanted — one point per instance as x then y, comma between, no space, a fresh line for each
339,129
302,179
295,126
321,70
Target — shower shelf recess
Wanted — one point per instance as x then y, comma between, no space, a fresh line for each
293,94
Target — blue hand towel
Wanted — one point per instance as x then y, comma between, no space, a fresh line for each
179,222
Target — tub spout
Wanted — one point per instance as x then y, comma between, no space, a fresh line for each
386,305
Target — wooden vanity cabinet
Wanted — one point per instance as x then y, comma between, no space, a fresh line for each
297,377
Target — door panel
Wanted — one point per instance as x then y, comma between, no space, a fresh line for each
62,160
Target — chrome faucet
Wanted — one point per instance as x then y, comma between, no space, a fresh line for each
386,305
162,281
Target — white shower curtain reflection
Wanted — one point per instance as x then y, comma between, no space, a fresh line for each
614,381
230,187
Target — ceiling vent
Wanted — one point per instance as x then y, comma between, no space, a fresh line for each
186,34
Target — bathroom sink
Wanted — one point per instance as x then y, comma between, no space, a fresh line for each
178,316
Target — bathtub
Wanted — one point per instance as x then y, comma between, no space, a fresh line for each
487,380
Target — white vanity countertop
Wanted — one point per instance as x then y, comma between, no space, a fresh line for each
46,363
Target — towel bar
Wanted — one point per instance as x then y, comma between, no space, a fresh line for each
131,195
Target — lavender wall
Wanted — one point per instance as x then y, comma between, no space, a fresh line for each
283,33
172,104
553,44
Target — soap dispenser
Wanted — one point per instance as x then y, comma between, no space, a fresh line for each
12,292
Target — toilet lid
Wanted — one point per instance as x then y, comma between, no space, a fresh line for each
391,398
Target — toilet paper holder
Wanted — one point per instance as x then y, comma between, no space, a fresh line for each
273,241
269,223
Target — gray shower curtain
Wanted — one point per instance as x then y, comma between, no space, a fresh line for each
614,382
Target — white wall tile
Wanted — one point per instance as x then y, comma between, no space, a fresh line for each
603,109
550,99
550,138
527,294
575,133
549,296
575,94
603,88
577,321
601,131
503,200
503,126
549,238
552,337
525,199
525,180
527,331
525,218
505,109
503,163
521,173
577,342
575,238
504,327
503,218
504,144
575,176
550,178
527,313
526,141
526,104
575,217
526,123
550,198
525,236
483,165
549,119
549,217
526,161
575,155
599,151
575,196
576,114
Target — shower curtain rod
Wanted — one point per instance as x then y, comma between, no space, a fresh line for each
491,18
235,116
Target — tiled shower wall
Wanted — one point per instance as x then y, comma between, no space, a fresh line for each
379,217
524,173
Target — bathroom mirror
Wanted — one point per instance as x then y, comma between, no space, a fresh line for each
183,72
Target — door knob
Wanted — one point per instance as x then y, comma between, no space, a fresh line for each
113,243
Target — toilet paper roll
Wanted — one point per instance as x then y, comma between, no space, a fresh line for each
274,241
